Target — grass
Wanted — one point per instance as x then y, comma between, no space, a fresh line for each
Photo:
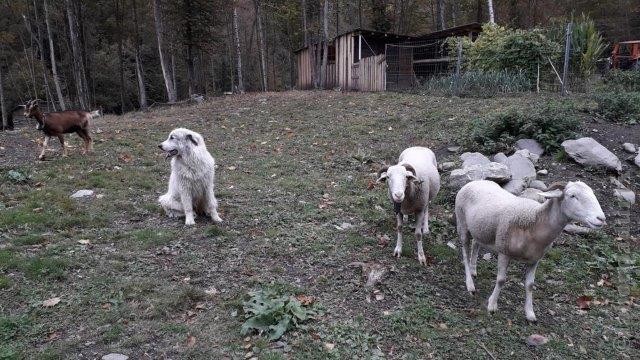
290,169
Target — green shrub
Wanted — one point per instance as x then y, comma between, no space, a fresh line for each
550,126
621,80
272,314
619,106
588,46
479,84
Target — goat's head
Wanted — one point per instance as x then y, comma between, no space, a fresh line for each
31,110
181,142
397,178
577,202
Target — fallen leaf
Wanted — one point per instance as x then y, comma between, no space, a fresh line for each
443,326
305,299
371,185
584,302
191,340
106,306
383,240
53,336
211,291
125,158
537,340
329,346
37,210
51,302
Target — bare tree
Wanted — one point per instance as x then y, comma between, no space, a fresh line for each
43,66
305,30
263,64
52,56
440,9
236,34
166,70
492,18
78,62
325,43
3,107
142,92
119,14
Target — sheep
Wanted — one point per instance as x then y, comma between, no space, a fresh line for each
518,228
412,183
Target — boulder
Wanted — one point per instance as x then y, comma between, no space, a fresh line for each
453,148
637,160
630,148
538,185
82,194
587,151
491,171
529,155
516,186
445,166
521,167
625,194
543,172
530,144
533,194
475,158
114,356
500,158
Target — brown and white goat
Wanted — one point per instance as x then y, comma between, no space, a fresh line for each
60,123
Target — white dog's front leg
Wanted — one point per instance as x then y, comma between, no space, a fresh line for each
187,206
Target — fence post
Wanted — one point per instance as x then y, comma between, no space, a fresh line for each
458,66
567,56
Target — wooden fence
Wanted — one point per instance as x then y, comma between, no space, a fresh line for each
370,73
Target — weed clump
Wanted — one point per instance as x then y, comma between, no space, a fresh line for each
619,106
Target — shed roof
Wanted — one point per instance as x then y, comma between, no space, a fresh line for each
372,34
462,30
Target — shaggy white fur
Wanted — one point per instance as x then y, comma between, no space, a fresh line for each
192,177
518,228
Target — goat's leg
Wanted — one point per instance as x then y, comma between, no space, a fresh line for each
64,148
464,246
422,227
45,143
187,206
503,262
84,134
398,249
212,206
529,279
475,248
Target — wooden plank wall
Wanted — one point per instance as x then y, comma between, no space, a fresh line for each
344,61
305,70
372,73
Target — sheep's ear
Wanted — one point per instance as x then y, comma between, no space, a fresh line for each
382,174
192,139
557,193
410,172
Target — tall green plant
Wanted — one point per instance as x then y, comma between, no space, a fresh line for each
588,46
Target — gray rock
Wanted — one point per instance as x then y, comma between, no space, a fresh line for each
587,151
539,185
82,194
445,166
475,158
533,194
637,160
516,186
625,195
530,144
114,356
521,167
529,155
629,147
453,148
615,182
500,158
491,171
543,172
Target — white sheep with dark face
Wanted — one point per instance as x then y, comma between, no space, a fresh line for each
518,228
412,183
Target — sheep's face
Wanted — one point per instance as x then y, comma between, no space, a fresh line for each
181,142
579,203
397,178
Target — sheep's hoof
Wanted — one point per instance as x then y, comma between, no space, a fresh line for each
397,252
532,319
492,308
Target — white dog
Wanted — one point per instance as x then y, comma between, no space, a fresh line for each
192,177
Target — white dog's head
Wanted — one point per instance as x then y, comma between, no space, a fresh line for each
181,142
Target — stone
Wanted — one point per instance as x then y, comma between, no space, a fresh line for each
530,144
491,171
587,151
453,149
500,158
615,182
529,155
516,186
538,185
521,167
114,356
629,147
476,158
637,160
625,195
82,194
533,194
445,166
543,172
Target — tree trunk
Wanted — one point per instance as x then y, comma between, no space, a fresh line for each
191,78
492,18
52,56
305,30
440,9
166,70
263,65
43,66
238,52
325,44
359,14
337,17
78,63
3,107
120,19
142,92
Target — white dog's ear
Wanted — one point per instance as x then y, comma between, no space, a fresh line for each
193,139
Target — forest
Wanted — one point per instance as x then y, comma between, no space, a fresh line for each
124,55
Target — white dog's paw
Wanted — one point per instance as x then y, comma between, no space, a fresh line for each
216,218
189,222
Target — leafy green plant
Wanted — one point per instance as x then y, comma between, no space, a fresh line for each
479,84
621,80
550,126
619,106
588,46
272,314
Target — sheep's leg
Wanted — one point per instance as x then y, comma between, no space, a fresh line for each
475,248
422,227
212,206
464,245
187,206
529,279
398,250
45,143
64,148
503,262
